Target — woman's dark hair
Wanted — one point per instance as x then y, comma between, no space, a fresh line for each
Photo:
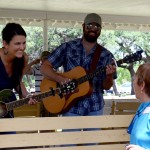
8,32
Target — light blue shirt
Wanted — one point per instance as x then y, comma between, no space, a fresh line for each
139,128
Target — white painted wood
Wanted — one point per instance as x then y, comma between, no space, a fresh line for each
39,132
70,15
46,123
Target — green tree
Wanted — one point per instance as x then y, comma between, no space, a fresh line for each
120,43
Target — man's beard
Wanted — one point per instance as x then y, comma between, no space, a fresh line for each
90,38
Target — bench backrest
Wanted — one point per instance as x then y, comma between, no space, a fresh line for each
124,108
28,110
110,132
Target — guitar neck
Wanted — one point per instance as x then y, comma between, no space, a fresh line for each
97,72
14,104
91,75
128,59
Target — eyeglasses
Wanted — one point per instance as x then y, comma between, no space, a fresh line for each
94,27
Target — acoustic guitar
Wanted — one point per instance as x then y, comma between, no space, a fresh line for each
7,95
80,79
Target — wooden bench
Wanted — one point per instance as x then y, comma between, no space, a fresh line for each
124,108
110,134
28,111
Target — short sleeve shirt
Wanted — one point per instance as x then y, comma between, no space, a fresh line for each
139,128
72,54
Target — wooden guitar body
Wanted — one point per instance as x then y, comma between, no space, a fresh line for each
6,95
57,104
78,86
8,100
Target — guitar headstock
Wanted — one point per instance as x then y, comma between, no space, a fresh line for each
69,87
131,58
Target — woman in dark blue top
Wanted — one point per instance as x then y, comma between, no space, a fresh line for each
12,61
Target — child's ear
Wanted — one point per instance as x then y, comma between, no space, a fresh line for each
142,86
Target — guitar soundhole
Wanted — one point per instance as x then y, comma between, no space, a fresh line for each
9,98
69,87
6,96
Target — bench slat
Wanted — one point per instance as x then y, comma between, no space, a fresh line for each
124,108
96,147
34,133
53,123
28,110
57,138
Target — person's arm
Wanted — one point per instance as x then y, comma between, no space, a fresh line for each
24,94
26,58
48,72
21,90
28,67
108,82
24,90
135,147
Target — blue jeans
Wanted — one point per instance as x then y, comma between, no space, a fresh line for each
95,113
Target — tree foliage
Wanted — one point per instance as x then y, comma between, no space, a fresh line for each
120,43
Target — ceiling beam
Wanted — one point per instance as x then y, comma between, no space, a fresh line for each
65,19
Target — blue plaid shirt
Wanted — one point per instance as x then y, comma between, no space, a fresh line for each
72,54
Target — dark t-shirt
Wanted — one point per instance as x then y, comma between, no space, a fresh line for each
7,82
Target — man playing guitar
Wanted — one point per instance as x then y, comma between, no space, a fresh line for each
80,52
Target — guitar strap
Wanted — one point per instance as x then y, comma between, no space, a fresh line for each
95,58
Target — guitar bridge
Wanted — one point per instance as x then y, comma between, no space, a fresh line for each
52,91
60,95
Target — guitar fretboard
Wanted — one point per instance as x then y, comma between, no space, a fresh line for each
89,76
14,104
128,59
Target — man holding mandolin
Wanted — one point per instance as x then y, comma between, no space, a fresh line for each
76,56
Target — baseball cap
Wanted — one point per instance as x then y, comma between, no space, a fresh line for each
93,17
